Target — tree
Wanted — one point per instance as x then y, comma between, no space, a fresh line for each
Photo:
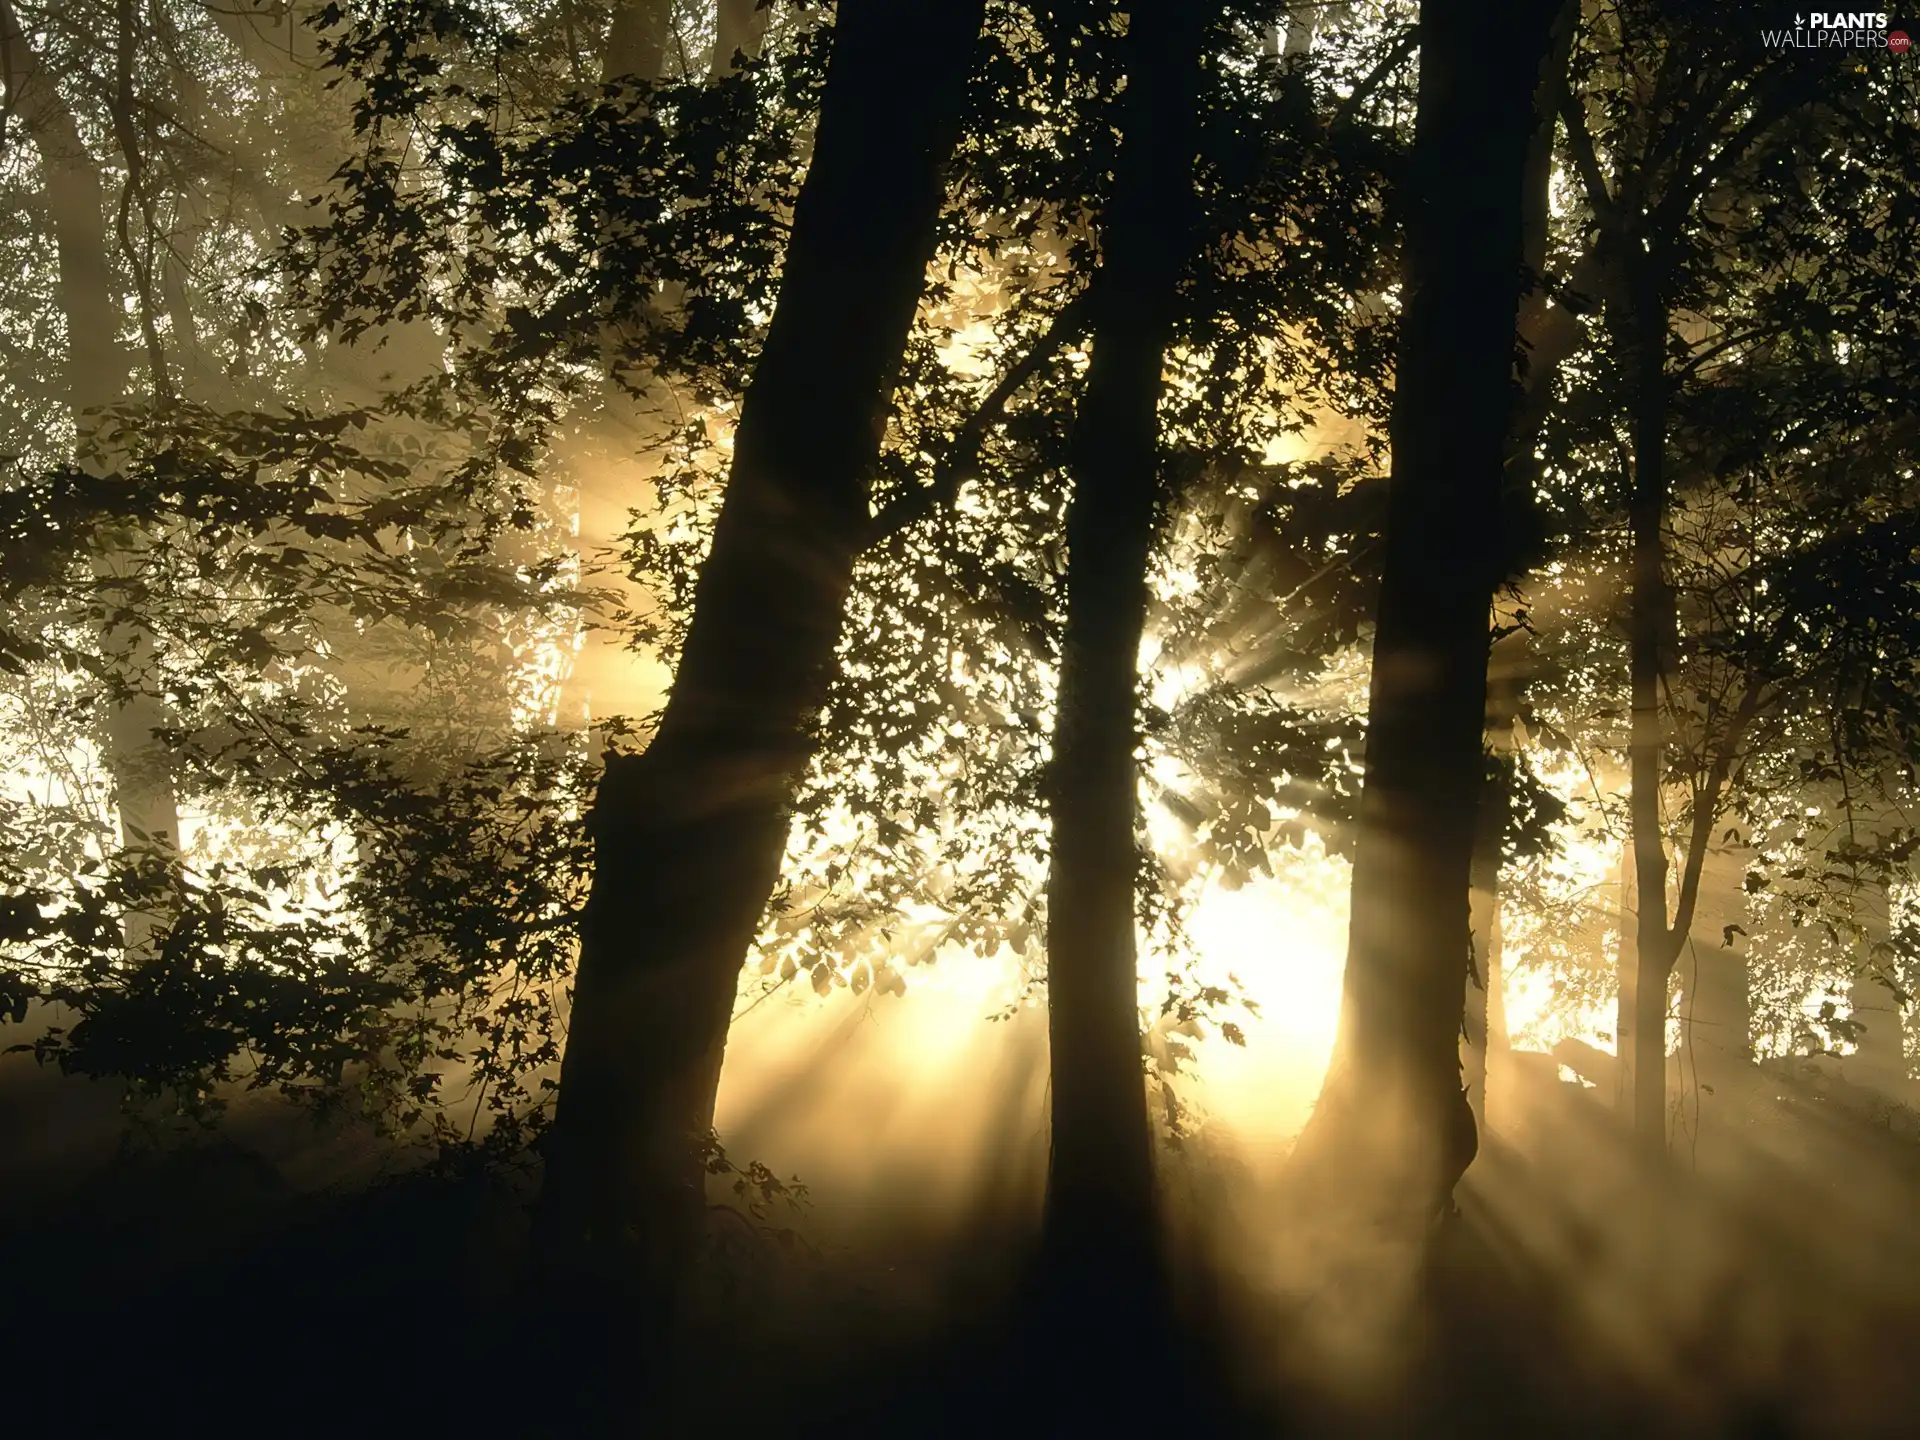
1392,1123
689,834
1547,333
98,370
1099,1234
1712,318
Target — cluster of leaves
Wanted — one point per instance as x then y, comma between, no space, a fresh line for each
359,980
562,238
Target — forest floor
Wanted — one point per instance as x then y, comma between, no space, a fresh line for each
1764,1284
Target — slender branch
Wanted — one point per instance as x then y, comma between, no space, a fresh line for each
1772,108
1706,808
1587,161
1722,345
962,460
1363,92
1332,567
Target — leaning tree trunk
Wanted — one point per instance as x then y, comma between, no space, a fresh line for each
1393,1131
1099,1233
690,833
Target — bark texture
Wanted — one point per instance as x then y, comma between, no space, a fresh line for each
690,833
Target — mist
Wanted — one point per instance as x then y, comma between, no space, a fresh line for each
990,717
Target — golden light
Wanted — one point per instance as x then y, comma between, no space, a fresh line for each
1283,939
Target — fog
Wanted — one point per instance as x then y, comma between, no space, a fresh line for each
496,560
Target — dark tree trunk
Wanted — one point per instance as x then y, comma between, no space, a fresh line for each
1543,351
1393,1129
1639,317
691,832
1636,261
1641,322
1099,1233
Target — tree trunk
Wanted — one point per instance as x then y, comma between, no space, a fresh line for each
1716,1019
603,462
1717,1038
97,372
1640,317
1485,1029
1393,1129
690,833
1880,1059
1656,945
1627,974
1486,1019
1099,1233
739,28
638,40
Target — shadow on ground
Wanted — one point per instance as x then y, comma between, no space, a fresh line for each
1767,1287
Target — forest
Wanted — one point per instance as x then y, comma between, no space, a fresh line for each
977,717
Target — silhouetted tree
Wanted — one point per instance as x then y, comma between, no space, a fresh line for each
1711,319
1099,1233
1392,1122
690,833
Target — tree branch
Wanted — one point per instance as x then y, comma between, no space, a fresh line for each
962,460
1587,161
1706,807
1721,346
1391,61
1772,108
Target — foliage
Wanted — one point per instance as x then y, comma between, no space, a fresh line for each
381,299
